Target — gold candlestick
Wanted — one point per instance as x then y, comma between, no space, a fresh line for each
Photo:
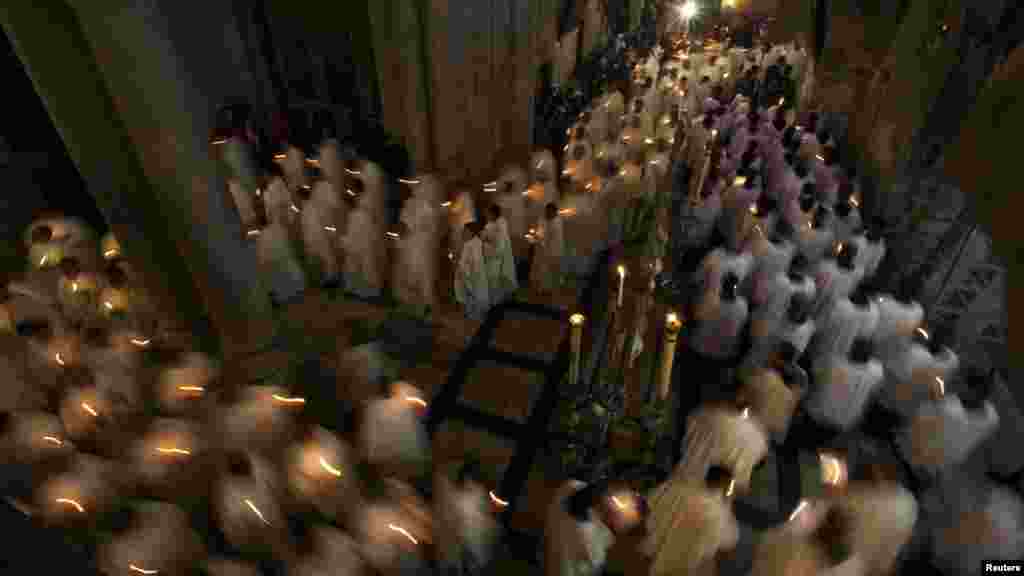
673,325
576,342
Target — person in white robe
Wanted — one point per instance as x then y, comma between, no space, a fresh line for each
845,386
392,432
248,507
576,539
512,197
773,400
898,320
464,508
416,273
472,289
913,368
772,256
769,318
277,199
719,263
501,266
726,436
362,245
870,251
720,317
839,277
331,551
283,274
543,167
690,523
546,269
372,178
244,202
848,219
318,235
294,167
815,242
157,540
943,433
882,516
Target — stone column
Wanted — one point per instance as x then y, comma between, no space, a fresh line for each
133,99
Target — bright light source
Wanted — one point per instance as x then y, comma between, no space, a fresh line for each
688,10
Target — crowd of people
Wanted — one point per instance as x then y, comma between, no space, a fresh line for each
789,347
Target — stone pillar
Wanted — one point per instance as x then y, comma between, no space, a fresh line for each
134,112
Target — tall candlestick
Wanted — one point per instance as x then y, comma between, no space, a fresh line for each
622,285
576,342
672,327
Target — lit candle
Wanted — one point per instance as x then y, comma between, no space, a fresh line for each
183,385
833,470
576,341
163,451
625,511
622,285
673,325
81,411
114,301
111,247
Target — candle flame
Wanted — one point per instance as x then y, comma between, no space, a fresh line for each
219,142
108,305
89,409
393,235
540,163
135,568
42,261
330,469
566,172
782,101
589,186
445,204
140,342
353,172
672,319
621,271
753,209
330,228
924,333
745,414
71,502
256,511
819,157
739,181
731,489
74,287
259,192
280,157
451,255
253,233
496,500
714,133
287,400
799,508
295,208
416,400
178,451
622,172
409,182
350,192
54,440
854,202
198,389
403,532
726,75
313,162
577,319
59,359
942,385
110,254
566,212
600,154
672,140
648,140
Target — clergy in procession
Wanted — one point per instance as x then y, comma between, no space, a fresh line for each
279,264
363,245
500,262
318,235
472,287
844,386
576,538
416,276
723,435
470,532
392,434
512,196
691,523
546,271
277,198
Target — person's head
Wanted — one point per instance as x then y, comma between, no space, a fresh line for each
730,286
808,200
42,234
719,480
274,170
551,211
799,310
822,216
709,122
798,267
239,464
304,193
861,351
581,502
847,255
705,79
493,212
70,267
469,231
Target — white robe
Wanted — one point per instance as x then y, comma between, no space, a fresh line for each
239,499
843,391
543,163
770,260
943,434
815,243
416,275
284,275
717,436
843,323
335,553
461,211
318,240
513,208
687,526
912,372
882,522
294,168
469,526
720,326
546,270
773,402
277,202
718,263
764,328
392,433
896,320
869,255
362,244
573,548
835,283
243,201
472,289
501,266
